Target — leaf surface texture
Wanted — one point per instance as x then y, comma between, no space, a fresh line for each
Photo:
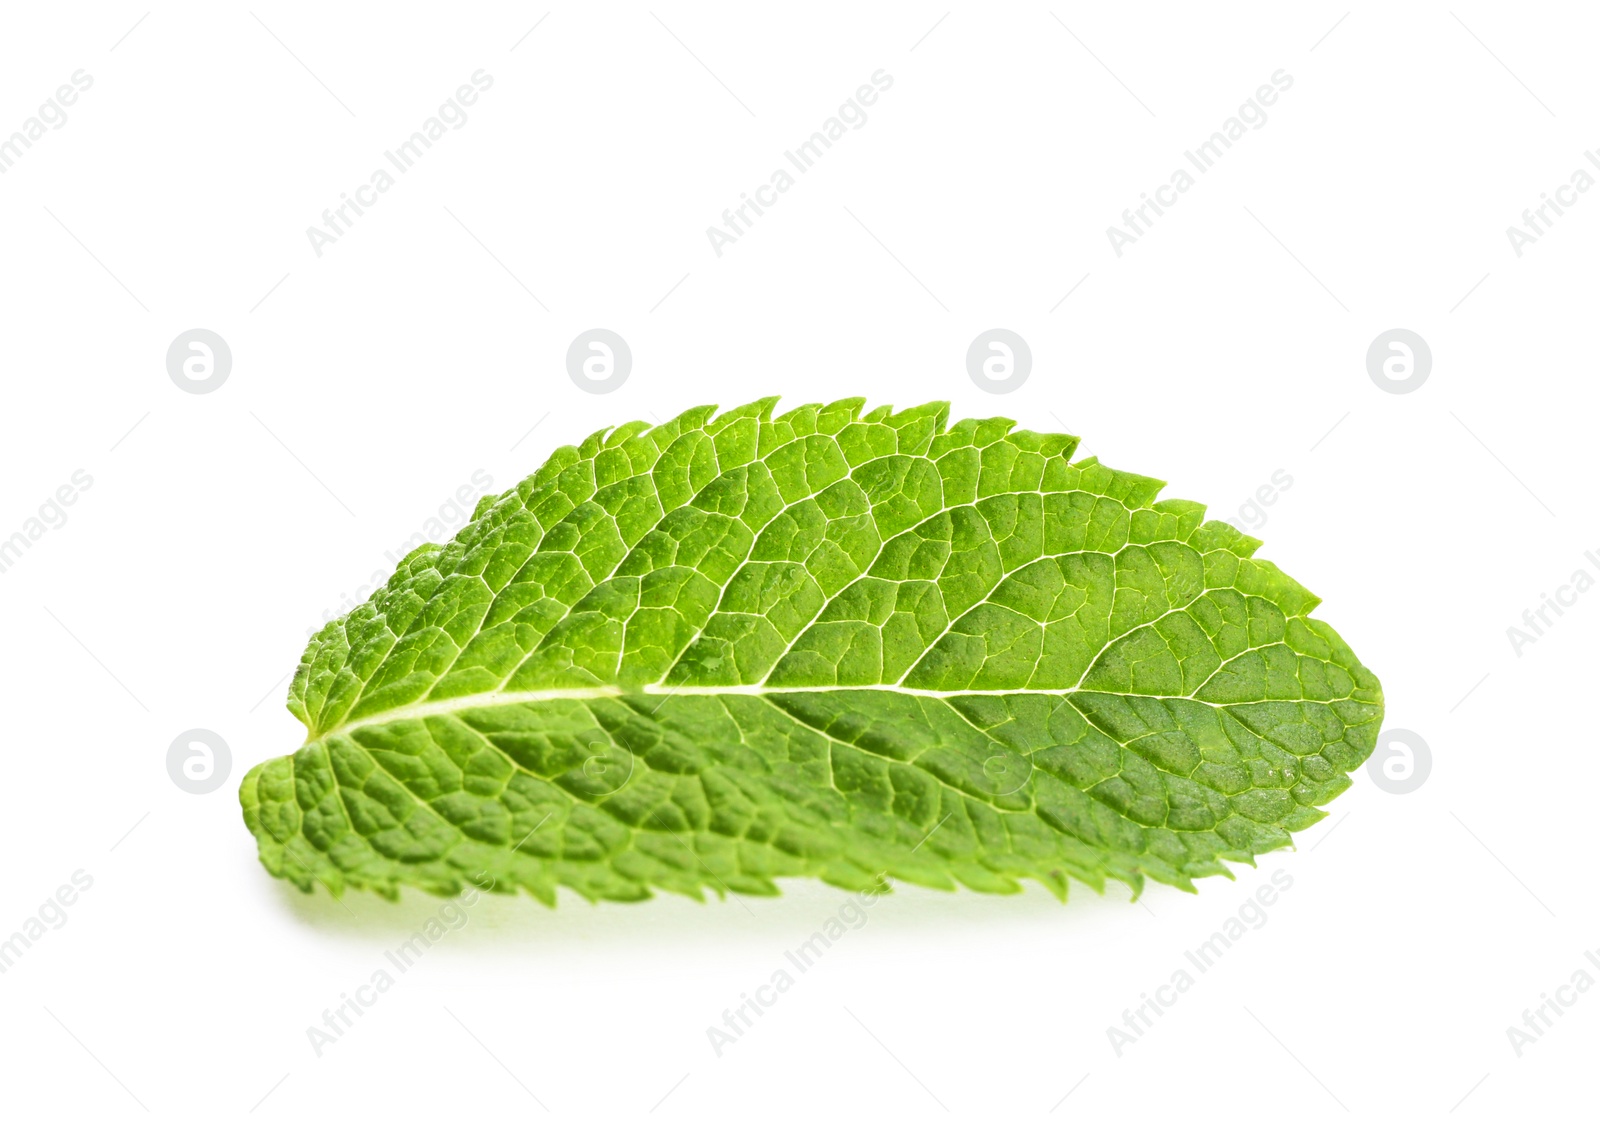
836,642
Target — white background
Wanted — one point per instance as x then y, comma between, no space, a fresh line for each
369,383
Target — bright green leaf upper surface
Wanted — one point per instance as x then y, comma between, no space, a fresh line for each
846,644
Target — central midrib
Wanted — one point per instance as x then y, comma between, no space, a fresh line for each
459,703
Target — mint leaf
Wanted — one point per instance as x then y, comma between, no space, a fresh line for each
733,647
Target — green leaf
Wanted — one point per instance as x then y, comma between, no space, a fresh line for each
843,644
